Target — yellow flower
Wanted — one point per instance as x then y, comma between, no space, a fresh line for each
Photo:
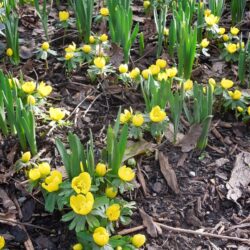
43,89
204,43
81,183
56,114
100,62
161,63
28,87
101,169
111,192
104,11
134,73
82,204
63,15
172,72
162,76
9,52
126,116
44,169
118,248
104,38
101,236
34,174
226,84
137,120
13,81
145,73
166,31
236,95
188,85
77,246
221,31
146,4
71,48
123,68
138,240
240,45
26,157
86,48
211,20
31,100
113,212
248,110
2,242
231,48
91,39
45,46
239,109
126,173
154,69
157,114
68,56
234,31
225,38
52,182
207,12
212,81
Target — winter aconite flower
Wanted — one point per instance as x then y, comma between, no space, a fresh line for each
56,114
113,212
126,173
104,38
221,31
71,48
123,68
31,100
91,39
211,20
225,38
101,236
126,116
154,69
157,114
81,183
77,246
100,62
166,31
248,110
204,43
171,72
2,242
138,240
104,11
231,48
68,56
34,174
52,182
101,169
134,73
63,16
28,87
226,84
111,192
162,76
86,48
43,89
137,120
145,73
236,95
26,157
9,52
45,46
240,109
207,12
44,169
161,63
234,31
188,85
82,204
146,4
212,81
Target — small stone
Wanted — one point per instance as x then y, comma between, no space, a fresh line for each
192,174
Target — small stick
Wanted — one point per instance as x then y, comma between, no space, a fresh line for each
131,230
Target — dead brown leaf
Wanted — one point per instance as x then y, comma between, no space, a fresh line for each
190,139
141,179
168,173
116,55
152,228
240,177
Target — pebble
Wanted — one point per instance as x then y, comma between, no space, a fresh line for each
192,174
